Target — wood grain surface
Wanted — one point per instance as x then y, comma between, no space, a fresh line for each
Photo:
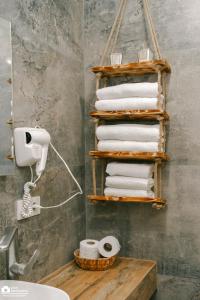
134,68
128,279
126,199
130,115
129,155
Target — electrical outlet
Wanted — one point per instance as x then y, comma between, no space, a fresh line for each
19,205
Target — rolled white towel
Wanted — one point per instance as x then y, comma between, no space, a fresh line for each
113,145
127,193
127,104
129,132
128,90
130,169
122,182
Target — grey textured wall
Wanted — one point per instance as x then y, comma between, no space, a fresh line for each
48,87
169,236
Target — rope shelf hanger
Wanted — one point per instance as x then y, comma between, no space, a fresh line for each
158,66
114,33
151,27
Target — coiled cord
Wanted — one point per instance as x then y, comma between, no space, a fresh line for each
28,206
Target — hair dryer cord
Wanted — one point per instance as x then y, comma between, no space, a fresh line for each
80,192
27,209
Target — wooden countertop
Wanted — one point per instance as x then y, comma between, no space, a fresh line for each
128,279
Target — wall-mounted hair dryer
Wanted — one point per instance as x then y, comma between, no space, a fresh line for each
31,146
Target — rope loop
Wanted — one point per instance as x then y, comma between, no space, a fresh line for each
114,33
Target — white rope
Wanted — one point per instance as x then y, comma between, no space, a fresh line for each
112,39
152,29
116,24
111,34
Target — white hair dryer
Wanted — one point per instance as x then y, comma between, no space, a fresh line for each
31,146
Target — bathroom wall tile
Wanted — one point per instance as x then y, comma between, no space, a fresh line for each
48,89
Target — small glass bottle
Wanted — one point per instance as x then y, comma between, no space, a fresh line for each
145,54
116,58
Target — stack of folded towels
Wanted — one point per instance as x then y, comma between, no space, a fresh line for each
129,180
128,137
128,96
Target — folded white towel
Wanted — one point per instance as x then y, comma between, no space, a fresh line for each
127,104
113,145
129,132
127,193
130,169
128,90
122,182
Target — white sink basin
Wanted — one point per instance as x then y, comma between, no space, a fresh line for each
11,289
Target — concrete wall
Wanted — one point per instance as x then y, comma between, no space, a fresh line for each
170,236
48,87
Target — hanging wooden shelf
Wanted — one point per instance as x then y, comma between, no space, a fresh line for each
132,69
127,199
159,67
156,115
129,155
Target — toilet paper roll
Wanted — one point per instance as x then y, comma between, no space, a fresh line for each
109,246
89,249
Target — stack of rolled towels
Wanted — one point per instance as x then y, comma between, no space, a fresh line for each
129,180
129,96
128,137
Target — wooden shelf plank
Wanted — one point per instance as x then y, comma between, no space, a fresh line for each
128,278
126,199
130,115
134,68
129,155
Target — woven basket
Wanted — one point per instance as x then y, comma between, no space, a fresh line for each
99,264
